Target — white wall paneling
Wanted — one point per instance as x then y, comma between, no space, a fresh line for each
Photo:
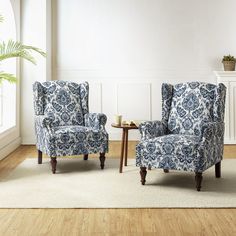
232,110
228,78
227,113
134,101
95,97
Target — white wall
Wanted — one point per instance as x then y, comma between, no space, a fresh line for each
126,49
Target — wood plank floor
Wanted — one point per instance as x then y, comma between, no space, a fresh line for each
112,221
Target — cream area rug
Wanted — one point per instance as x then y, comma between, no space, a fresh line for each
82,184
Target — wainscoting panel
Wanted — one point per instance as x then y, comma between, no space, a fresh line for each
95,97
134,101
228,78
109,105
227,113
233,110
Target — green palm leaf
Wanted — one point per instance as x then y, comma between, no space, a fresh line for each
8,77
13,49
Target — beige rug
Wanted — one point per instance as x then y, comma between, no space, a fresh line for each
82,184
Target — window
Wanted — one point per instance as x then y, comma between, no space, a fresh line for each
7,91
1,107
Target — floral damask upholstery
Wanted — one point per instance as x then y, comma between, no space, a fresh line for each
63,124
190,135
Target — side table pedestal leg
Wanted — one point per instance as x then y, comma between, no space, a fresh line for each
126,146
122,150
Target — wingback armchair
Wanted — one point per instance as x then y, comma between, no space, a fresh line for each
63,124
190,136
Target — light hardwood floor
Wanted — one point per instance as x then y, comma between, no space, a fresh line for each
112,221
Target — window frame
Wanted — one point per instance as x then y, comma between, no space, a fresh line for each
10,138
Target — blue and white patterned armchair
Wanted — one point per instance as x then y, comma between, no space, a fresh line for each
190,136
63,124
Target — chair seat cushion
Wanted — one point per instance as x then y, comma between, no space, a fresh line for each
171,151
76,140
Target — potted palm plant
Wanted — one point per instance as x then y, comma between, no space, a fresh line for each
14,49
229,63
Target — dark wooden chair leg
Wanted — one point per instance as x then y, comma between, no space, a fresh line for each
166,170
40,155
53,164
198,179
143,173
85,157
102,160
218,170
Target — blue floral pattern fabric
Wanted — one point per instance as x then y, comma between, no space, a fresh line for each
170,151
152,129
167,90
63,124
190,136
192,104
76,140
95,120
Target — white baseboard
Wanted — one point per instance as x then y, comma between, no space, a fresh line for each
230,141
6,150
28,139
133,136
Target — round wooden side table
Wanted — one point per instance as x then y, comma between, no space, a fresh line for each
124,142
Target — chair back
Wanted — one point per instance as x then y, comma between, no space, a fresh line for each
191,105
64,102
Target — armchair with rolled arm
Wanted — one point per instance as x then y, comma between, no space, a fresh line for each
63,124
190,136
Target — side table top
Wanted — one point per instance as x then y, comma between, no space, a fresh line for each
124,126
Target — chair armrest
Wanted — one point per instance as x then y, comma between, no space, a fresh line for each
213,132
211,145
152,129
45,139
95,120
38,94
44,122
